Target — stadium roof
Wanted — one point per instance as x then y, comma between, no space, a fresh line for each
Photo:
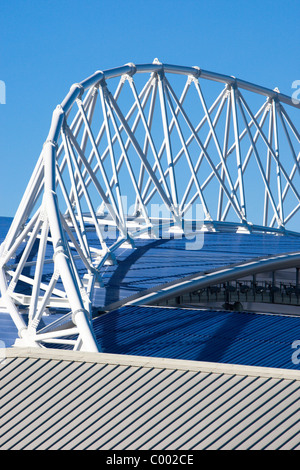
170,378
153,263
126,329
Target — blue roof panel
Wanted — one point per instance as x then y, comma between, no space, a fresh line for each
155,262
160,261
8,330
230,337
200,335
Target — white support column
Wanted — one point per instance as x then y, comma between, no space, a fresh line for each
279,110
223,161
209,160
238,151
147,141
161,88
120,212
139,151
221,99
111,206
276,143
130,170
85,245
268,170
156,165
62,261
280,166
38,269
267,186
249,153
225,150
194,177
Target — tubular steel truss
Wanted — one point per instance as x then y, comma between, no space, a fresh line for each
125,141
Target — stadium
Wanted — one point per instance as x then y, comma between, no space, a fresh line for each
150,290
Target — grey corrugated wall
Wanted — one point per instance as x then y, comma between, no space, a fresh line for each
67,400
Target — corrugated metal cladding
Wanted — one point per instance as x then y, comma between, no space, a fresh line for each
70,400
200,335
247,338
155,262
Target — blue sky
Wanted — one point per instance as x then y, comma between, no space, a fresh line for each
47,45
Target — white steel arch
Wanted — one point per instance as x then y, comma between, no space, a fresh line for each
124,139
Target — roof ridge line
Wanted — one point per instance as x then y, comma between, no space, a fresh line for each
151,362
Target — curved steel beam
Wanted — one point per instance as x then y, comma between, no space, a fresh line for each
272,263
